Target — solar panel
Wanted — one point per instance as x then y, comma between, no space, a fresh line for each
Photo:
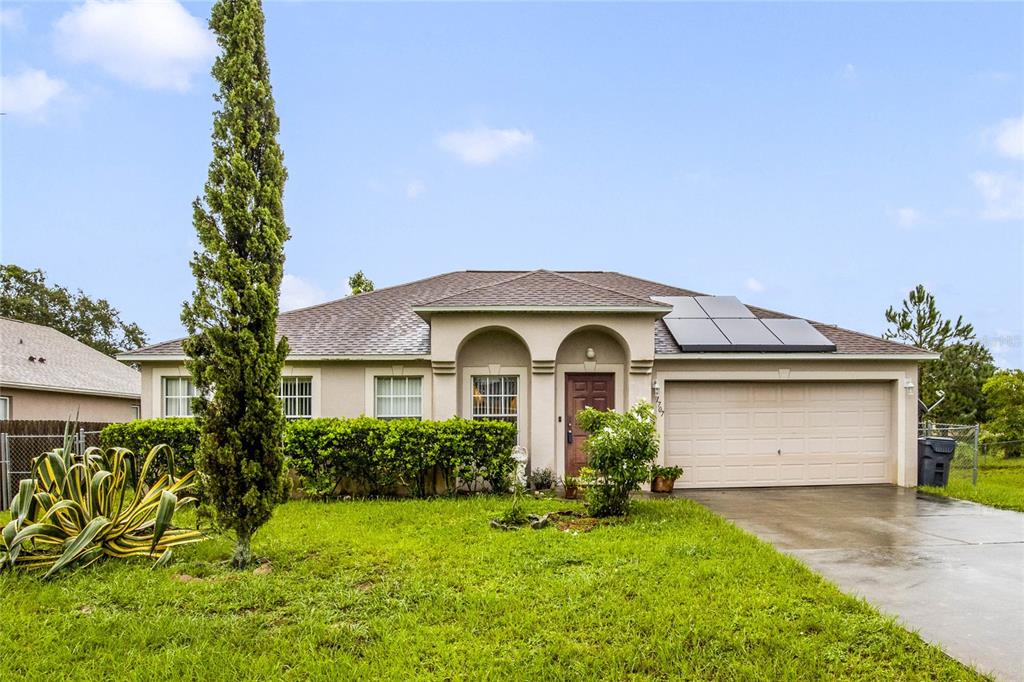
696,335
723,306
709,324
747,334
682,306
799,335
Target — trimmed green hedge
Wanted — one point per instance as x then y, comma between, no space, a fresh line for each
141,435
364,454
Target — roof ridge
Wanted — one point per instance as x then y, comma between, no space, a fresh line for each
383,289
651,281
648,301
519,275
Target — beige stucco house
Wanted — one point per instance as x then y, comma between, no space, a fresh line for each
45,374
744,396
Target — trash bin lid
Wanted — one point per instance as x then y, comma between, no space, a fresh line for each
943,446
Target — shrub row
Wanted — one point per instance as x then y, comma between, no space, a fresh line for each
363,455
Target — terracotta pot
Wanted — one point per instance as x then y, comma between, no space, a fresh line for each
660,484
571,492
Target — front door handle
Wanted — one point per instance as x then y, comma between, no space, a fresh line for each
568,436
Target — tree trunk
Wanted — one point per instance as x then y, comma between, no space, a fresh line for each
243,551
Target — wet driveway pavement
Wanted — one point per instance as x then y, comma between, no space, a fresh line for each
952,570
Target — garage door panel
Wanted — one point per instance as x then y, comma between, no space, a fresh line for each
779,433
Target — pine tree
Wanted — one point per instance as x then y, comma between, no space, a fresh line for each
233,357
359,283
920,323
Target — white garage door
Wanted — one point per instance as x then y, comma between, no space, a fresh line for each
727,434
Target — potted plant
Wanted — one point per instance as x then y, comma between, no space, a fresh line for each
571,486
663,479
542,479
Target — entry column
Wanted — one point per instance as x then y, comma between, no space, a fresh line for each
542,415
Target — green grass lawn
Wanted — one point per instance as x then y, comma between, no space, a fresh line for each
1000,484
426,590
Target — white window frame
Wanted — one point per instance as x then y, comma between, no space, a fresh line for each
6,402
136,412
503,397
406,394
184,401
296,399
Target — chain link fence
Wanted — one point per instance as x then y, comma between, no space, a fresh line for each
965,458
19,451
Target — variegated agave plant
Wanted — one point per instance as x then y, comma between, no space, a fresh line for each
79,508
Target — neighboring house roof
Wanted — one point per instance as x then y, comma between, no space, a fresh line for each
36,357
385,322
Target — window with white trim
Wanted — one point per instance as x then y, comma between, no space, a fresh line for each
297,397
398,397
5,407
136,411
177,396
496,397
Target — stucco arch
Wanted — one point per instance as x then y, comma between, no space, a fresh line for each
493,339
609,346
495,351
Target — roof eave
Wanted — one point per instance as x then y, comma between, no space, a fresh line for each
916,357
426,311
179,357
69,389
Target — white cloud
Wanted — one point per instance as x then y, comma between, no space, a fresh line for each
753,284
1008,137
158,45
12,18
905,216
415,189
483,146
1003,194
298,293
29,93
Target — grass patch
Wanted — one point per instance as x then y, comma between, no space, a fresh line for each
426,590
1000,484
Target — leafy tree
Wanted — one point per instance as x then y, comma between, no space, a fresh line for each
1005,394
961,371
25,296
360,283
232,353
963,365
920,323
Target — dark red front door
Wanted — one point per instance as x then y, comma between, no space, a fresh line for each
583,390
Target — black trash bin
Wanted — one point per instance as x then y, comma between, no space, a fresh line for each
934,456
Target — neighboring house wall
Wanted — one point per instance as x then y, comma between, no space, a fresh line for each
30,404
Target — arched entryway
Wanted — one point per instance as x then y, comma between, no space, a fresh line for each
591,366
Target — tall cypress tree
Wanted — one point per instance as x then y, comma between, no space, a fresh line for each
233,357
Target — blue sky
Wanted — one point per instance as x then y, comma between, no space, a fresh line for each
817,159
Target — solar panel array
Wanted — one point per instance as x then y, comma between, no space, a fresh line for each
715,324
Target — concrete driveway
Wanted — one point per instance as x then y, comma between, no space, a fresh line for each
952,570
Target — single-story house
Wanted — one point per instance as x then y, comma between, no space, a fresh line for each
45,374
744,396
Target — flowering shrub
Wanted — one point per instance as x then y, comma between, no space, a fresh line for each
620,450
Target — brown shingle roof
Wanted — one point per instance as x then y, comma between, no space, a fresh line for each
543,288
60,363
384,322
